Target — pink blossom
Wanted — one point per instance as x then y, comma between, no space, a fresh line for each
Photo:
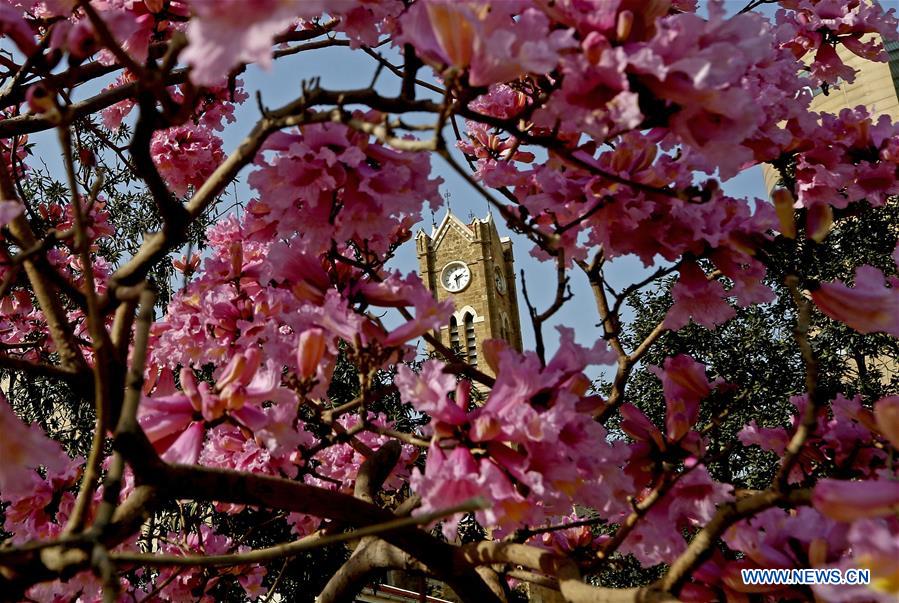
339,464
682,64
886,413
486,38
536,428
847,158
428,393
692,501
868,307
848,501
810,25
9,211
875,546
310,351
776,538
227,32
685,385
187,446
193,584
697,297
186,156
462,478
638,426
23,449
13,26
377,188
115,114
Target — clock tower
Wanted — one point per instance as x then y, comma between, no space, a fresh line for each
472,265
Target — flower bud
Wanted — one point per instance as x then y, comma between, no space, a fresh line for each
310,351
783,205
491,349
236,252
818,222
624,25
39,99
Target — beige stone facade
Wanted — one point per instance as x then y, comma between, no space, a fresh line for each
485,309
873,88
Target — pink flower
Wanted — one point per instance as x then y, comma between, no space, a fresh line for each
325,166
813,25
692,501
536,430
453,478
886,413
14,26
874,546
175,423
428,391
685,385
637,425
9,211
869,307
848,501
23,449
224,33
310,351
698,297
187,446
429,315
497,44
185,156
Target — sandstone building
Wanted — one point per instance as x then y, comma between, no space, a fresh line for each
472,265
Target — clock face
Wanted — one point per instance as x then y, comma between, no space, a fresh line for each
500,280
455,277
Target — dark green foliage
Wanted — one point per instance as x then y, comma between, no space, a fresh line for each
756,350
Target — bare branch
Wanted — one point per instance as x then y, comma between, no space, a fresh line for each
728,514
291,549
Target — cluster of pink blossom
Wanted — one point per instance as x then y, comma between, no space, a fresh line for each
22,324
845,438
486,40
532,448
25,449
294,299
817,26
194,584
330,182
692,499
186,156
845,158
224,33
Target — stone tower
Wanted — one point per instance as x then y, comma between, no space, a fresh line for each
472,265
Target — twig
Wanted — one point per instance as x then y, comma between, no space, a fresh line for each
291,549
727,515
816,400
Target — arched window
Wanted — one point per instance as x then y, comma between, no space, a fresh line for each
471,343
454,336
506,327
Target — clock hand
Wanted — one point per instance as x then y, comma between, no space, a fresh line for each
456,280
